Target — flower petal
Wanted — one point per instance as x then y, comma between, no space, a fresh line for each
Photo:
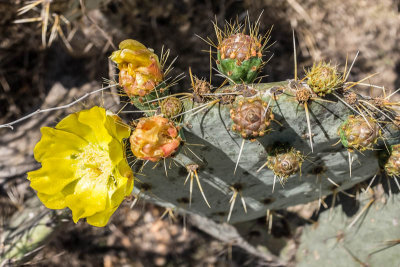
137,58
131,44
54,175
124,180
57,144
125,186
71,124
84,165
116,57
95,118
116,151
56,201
101,219
116,128
89,197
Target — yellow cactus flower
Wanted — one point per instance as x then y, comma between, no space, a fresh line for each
140,70
84,166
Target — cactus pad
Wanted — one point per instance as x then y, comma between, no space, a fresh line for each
210,144
373,240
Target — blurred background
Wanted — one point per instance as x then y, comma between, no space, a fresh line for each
54,51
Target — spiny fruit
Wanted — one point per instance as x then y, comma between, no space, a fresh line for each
240,50
240,57
154,138
251,117
171,106
359,133
140,70
323,78
285,163
392,165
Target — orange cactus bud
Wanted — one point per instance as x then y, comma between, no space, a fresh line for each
154,138
140,69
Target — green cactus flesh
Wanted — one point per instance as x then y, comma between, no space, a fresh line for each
29,229
343,138
216,149
147,103
246,72
370,241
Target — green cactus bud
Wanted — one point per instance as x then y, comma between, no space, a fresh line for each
240,57
392,165
239,54
359,133
285,163
323,78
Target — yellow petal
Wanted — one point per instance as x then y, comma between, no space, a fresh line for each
138,58
116,57
84,165
125,190
123,131
124,181
101,219
72,125
95,118
56,201
125,187
131,44
54,175
89,197
125,170
116,128
57,144
115,149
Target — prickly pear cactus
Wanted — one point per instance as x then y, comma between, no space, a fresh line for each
272,145
212,146
311,135
340,240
